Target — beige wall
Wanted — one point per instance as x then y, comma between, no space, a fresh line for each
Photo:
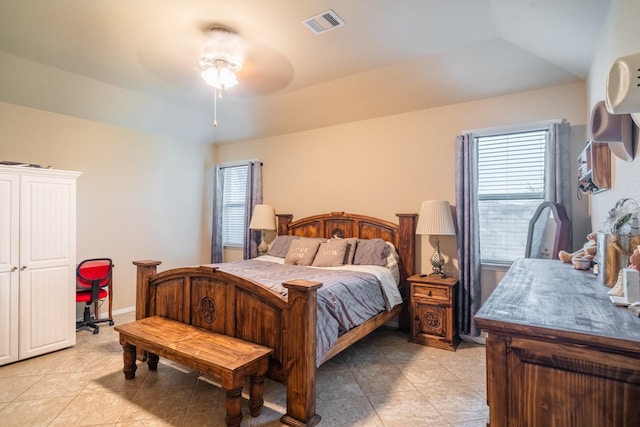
139,197
391,164
143,196
620,37
146,197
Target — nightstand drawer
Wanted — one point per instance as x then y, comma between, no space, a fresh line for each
438,293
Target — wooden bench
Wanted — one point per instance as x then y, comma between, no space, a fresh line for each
232,360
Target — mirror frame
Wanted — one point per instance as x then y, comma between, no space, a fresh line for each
563,225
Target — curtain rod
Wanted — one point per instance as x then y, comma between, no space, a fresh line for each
238,163
521,127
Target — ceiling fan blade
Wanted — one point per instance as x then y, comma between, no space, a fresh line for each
264,71
173,58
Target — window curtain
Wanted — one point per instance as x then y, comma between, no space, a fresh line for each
216,235
557,182
469,295
253,197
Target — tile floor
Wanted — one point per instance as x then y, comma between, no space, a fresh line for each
381,381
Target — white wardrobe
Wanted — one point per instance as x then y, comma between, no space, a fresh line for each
37,261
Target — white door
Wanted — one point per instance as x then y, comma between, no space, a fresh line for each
9,252
47,264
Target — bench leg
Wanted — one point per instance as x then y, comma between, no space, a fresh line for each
234,407
152,361
129,359
256,390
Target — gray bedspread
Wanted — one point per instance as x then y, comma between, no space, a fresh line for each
345,300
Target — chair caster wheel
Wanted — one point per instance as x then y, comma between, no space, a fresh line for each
111,323
95,331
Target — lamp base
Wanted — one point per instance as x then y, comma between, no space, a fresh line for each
437,261
262,247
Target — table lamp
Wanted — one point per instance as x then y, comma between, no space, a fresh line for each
263,218
436,220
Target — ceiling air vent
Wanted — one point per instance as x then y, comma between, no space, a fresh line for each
323,22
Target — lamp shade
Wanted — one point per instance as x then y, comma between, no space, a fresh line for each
263,218
435,218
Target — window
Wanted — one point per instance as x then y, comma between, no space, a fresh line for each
510,188
234,193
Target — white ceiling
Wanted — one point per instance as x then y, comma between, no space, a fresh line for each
133,63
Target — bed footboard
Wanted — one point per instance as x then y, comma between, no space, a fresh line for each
211,299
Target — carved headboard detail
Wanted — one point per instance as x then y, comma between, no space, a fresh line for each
402,235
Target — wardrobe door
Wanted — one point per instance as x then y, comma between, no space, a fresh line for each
9,252
47,264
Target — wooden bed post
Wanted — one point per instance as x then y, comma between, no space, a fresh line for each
301,334
407,250
146,268
283,223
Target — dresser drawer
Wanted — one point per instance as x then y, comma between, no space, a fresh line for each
438,293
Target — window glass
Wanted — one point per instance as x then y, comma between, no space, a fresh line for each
510,188
234,194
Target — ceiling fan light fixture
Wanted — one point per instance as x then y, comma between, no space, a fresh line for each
219,68
220,76
212,55
220,61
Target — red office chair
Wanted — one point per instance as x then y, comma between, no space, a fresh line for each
93,276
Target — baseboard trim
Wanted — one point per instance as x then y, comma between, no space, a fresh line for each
482,339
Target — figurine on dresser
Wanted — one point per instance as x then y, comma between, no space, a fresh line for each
583,257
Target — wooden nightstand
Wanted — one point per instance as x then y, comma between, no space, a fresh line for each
431,311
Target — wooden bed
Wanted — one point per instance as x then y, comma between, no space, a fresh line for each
223,303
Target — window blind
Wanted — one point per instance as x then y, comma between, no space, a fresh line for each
510,188
233,204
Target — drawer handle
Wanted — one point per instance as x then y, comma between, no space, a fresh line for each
430,293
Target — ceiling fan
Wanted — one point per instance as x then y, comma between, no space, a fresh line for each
179,56
257,68
222,59
228,60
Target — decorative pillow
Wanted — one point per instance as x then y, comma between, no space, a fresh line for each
280,246
351,248
371,252
393,262
331,253
302,251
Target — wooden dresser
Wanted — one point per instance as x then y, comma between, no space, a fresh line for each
559,353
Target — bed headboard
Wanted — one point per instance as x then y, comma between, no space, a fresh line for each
402,235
